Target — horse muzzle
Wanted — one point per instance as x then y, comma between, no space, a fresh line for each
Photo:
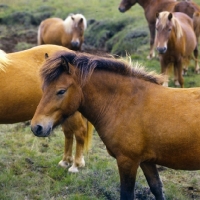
122,9
75,44
161,50
41,131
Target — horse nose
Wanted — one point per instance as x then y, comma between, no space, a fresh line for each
121,9
75,44
37,130
161,50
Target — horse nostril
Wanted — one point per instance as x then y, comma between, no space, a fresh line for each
121,9
37,130
161,50
75,44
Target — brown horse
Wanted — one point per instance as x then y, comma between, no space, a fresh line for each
133,113
68,33
175,41
21,92
151,7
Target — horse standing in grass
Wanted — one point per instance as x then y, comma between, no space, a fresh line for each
151,7
21,92
175,41
68,33
141,122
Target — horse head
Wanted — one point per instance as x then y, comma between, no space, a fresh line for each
59,88
163,30
126,5
79,26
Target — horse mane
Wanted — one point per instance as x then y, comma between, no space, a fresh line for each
4,61
69,22
163,19
87,63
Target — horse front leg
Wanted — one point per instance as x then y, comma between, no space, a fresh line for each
151,173
152,38
164,70
196,53
80,132
127,171
67,159
178,66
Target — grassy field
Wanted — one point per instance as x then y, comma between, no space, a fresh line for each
29,165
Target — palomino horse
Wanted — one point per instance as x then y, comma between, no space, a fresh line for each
151,7
68,33
175,41
133,113
21,93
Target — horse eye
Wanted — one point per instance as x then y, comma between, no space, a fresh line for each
169,29
60,92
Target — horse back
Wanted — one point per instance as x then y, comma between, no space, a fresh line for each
51,31
187,7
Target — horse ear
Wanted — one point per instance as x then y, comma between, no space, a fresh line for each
170,16
157,15
46,55
65,65
72,18
81,20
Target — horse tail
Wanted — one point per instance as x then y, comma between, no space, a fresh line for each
196,23
88,136
4,61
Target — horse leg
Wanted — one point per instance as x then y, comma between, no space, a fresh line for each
67,159
164,71
179,68
127,171
196,52
80,133
176,82
152,38
151,173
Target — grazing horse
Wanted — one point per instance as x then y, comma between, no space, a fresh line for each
141,122
68,33
21,92
175,41
151,7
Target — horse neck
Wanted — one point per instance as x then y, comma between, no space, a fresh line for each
105,95
144,3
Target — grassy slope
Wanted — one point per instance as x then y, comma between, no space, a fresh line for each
29,165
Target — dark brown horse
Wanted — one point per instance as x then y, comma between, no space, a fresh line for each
151,7
68,33
21,92
141,122
175,41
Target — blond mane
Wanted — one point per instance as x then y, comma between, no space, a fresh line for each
163,20
68,23
4,61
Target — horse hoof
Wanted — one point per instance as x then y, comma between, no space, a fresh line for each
149,57
73,169
63,164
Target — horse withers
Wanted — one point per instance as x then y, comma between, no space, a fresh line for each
175,41
21,92
141,122
68,33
